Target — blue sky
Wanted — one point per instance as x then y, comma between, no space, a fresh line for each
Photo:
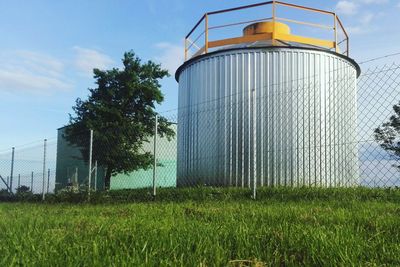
48,49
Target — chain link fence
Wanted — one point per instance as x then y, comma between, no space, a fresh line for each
295,135
29,168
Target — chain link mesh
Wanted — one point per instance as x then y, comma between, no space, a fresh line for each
288,134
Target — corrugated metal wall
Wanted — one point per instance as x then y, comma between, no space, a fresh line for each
284,116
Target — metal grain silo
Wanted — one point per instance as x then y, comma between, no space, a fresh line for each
268,105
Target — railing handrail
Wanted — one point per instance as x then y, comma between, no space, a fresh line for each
336,22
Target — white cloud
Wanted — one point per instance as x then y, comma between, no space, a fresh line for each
41,62
27,71
364,23
367,18
88,59
346,7
355,30
352,7
368,2
171,56
28,81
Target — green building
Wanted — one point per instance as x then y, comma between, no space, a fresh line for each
73,171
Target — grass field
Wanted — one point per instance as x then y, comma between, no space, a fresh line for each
284,227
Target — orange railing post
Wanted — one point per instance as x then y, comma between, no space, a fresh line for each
186,49
335,32
206,34
273,21
345,33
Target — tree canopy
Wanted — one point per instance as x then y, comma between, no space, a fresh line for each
121,113
388,134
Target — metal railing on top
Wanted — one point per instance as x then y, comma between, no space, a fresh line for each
330,44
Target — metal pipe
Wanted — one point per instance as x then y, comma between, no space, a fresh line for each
5,182
238,23
254,130
155,155
90,161
12,168
195,26
341,26
95,176
239,8
345,33
316,25
31,182
206,35
48,180
76,177
185,48
44,169
335,32
193,43
304,7
273,22
273,11
344,40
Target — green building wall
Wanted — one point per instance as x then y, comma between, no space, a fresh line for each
72,170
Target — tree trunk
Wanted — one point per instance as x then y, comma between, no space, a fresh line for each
107,179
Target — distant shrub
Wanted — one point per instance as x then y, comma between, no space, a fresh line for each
23,189
4,195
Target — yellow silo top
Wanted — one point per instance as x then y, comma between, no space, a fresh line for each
266,27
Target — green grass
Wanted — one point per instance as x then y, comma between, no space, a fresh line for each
214,227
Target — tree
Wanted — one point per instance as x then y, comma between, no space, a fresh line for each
121,113
388,135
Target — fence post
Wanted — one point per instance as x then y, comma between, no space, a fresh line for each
48,180
254,129
19,180
31,182
155,156
90,161
12,169
95,175
76,177
44,169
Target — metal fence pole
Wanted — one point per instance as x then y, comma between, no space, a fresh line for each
76,177
90,161
48,180
5,182
254,145
31,182
19,180
95,175
155,156
12,168
44,169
